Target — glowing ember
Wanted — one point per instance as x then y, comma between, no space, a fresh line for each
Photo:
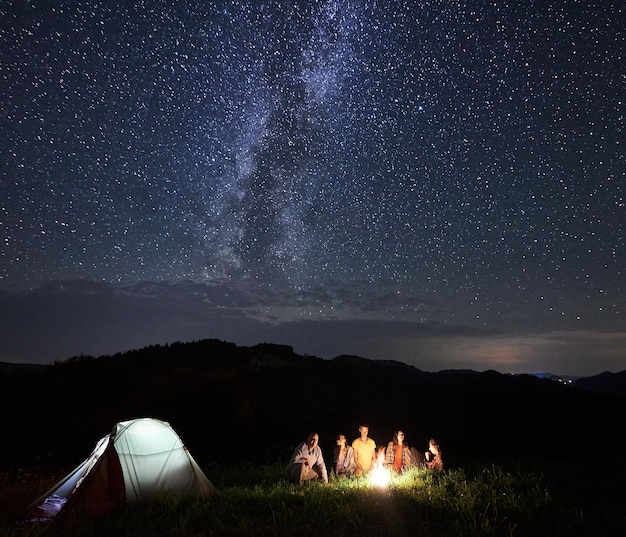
379,476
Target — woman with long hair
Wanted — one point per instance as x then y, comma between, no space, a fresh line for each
398,455
345,464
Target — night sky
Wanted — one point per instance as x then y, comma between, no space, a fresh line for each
441,183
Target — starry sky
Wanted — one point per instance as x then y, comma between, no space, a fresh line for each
441,183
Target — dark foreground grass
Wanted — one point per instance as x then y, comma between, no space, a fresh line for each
257,501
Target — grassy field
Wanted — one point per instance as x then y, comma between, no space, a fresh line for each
556,500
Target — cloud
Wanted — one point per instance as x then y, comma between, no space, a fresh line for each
67,318
566,353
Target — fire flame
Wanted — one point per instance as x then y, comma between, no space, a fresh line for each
379,476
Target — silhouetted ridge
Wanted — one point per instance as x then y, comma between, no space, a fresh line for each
219,396
604,383
348,359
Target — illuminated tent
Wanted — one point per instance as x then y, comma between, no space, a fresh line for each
140,458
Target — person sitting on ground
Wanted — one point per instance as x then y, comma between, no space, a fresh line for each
364,451
307,462
398,455
344,458
434,459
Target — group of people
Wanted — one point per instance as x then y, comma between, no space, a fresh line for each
359,458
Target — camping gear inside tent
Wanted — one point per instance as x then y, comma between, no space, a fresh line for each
140,458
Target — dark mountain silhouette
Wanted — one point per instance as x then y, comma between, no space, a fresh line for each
604,383
254,404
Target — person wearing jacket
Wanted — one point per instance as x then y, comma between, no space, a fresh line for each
307,462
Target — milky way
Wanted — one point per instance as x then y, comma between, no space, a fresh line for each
453,162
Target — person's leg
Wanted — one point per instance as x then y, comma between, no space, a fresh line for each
308,473
296,472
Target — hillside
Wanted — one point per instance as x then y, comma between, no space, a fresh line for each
253,404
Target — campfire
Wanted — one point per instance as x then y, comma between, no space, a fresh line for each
379,476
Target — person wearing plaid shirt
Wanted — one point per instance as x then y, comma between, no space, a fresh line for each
398,455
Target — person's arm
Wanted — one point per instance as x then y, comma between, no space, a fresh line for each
355,451
407,457
350,463
321,463
323,467
301,454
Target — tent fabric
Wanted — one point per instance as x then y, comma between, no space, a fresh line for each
139,459
49,504
102,489
154,459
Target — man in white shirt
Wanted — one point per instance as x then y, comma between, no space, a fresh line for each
307,462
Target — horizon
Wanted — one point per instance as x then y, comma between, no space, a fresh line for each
437,184
81,318
539,374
